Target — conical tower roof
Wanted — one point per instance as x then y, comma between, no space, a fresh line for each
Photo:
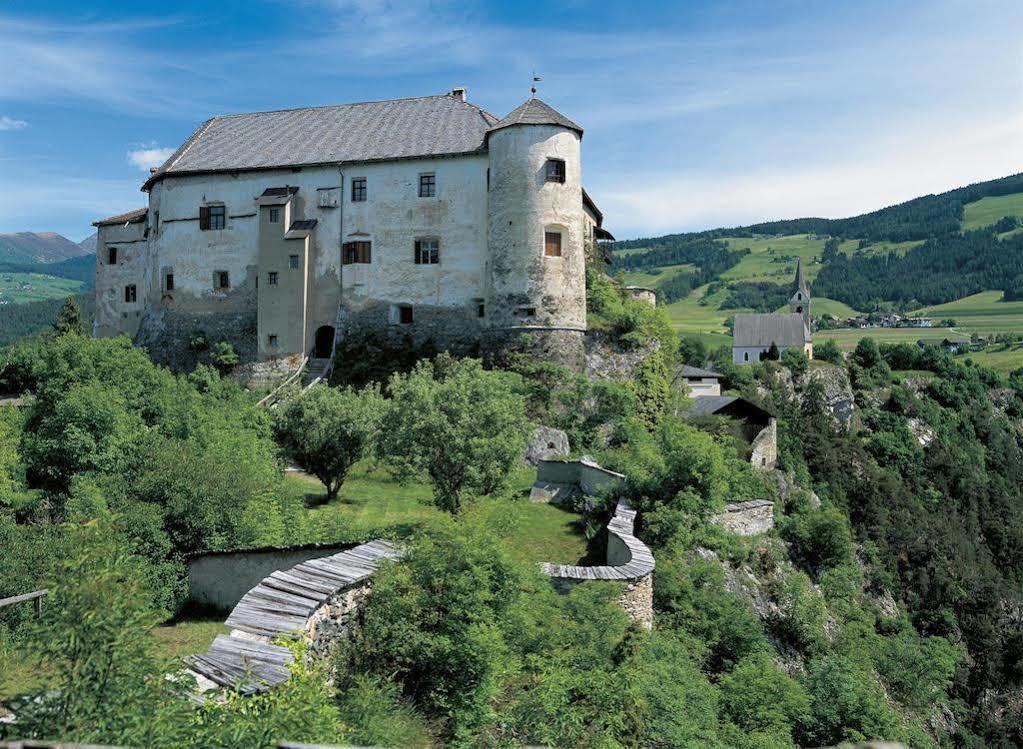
800,283
535,112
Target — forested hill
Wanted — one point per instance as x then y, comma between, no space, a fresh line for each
928,251
920,218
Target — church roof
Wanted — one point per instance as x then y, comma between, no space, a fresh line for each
370,131
800,284
535,112
688,371
756,331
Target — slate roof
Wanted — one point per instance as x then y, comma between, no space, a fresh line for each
277,195
708,405
783,330
369,131
536,112
131,217
688,371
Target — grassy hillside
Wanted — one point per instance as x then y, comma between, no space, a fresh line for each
900,232
16,288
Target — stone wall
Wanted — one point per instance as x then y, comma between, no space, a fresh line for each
747,518
265,375
335,620
608,361
559,481
764,455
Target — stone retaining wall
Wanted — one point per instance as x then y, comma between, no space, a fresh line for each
747,518
764,454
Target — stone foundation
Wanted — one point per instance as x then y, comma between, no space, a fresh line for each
265,375
564,346
747,518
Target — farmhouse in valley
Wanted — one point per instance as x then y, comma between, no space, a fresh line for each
753,335
423,219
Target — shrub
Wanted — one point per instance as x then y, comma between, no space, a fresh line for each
759,698
795,361
224,356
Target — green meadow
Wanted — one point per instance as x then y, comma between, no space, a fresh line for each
18,288
987,211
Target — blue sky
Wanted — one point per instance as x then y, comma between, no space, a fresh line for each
697,114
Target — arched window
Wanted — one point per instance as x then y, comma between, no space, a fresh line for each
745,356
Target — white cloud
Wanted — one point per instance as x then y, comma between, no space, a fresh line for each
9,123
146,158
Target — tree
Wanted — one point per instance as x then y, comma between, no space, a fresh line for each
69,319
327,431
795,361
772,353
465,427
224,356
828,351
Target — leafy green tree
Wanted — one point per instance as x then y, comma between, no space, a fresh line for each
761,699
772,353
463,426
327,431
828,351
69,319
795,361
224,356
846,704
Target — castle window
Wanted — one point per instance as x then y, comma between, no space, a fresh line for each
271,340
272,277
275,215
221,280
427,251
552,243
212,217
555,171
156,223
168,282
402,314
130,294
358,189
293,262
111,256
356,252
481,310
427,185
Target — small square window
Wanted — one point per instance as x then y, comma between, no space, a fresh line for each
427,251
481,310
168,282
221,280
427,185
552,244
130,294
111,256
271,340
293,262
405,314
555,171
271,278
358,189
275,215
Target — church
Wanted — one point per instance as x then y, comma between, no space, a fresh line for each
420,219
753,335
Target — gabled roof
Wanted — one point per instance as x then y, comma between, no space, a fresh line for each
752,331
726,405
277,195
688,371
301,229
369,131
131,217
535,112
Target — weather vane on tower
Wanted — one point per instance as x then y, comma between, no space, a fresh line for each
536,79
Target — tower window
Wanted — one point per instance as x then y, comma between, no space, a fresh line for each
130,294
356,252
427,251
111,256
427,185
405,316
275,215
293,262
221,280
168,282
555,171
358,189
552,243
271,340
272,278
481,310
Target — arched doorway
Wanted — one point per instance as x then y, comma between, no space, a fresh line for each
324,342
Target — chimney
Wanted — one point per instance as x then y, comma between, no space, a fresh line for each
458,93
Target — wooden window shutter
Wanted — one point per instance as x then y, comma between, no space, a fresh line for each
204,217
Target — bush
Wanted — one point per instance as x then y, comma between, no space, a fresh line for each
759,698
224,356
795,361
828,351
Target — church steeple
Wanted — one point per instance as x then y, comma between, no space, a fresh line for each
799,302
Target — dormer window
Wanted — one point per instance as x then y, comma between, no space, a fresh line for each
275,215
555,170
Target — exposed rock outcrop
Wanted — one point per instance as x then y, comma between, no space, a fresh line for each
545,444
606,360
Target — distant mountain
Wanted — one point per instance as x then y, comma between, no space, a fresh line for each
89,244
39,247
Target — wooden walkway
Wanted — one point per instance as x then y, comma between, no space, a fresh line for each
280,606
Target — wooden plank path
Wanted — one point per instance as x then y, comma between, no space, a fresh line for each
280,606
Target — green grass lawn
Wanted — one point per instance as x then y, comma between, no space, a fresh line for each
884,248
987,211
982,313
774,258
650,280
373,500
17,288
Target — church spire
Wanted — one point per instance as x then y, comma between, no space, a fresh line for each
801,279
799,302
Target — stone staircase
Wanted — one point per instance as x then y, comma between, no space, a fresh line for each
315,370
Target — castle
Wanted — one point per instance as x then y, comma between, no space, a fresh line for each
753,335
422,219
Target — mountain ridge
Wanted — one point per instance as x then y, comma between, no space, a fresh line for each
41,247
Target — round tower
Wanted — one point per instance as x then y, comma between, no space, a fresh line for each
536,266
